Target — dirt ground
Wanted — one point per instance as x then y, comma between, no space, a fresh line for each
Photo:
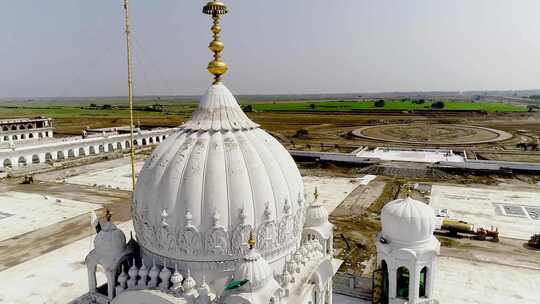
333,132
359,199
506,252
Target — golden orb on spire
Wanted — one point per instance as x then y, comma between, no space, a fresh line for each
216,67
252,241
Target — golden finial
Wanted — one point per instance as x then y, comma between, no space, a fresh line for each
252,242
216,67
316,193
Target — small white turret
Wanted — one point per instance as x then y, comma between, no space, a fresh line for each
110,241
406,251
253,268
317,226
110,250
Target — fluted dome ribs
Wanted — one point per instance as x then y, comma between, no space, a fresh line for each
218,111
222,170
407,221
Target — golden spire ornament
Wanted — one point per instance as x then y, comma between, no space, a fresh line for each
252,242
216,67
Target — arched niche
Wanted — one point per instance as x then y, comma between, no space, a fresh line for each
385,282
7,163
423,282
402,283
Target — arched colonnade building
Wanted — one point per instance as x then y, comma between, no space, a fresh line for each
25,129
26,154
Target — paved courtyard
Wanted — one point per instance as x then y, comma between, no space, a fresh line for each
24,212
459,281
513,212
114,177
422,156
332,190
56,277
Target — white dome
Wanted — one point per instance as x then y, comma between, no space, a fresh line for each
209,184
255,269
407,221
316,215
110,241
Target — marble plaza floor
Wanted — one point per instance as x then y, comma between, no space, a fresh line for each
422,156
513,212
56,277
117,178
24,212
460,281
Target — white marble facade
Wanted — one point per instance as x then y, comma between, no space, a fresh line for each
217,184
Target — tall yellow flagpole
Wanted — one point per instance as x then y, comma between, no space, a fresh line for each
130,92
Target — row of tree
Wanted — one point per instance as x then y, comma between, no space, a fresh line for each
435,105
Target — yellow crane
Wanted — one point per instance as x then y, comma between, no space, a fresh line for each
130,91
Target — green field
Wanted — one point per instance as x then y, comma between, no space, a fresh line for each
171,109
73,111
406,105
72,120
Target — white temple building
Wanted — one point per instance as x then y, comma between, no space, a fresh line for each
406,253
25,129
220,216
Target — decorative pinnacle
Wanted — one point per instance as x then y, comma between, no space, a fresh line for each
216,67
108,215
252,242
409,190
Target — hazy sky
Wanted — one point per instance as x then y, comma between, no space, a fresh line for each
76,48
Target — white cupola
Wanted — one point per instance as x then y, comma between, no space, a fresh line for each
407,221
255,269
259,279
110,241
317,226
110,251
406,252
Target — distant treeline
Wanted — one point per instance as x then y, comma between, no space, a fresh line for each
148,108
